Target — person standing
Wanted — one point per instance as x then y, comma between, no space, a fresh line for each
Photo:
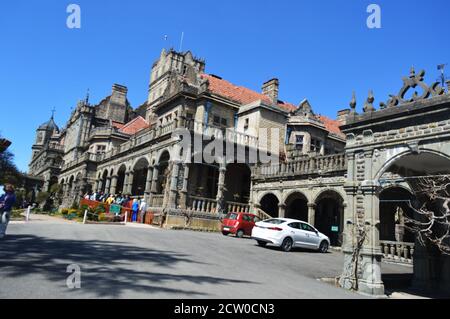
135,209
7,202
143,210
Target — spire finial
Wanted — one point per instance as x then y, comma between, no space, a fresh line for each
353,101
412,72
87,97
53,113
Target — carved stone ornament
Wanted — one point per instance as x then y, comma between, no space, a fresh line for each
414,80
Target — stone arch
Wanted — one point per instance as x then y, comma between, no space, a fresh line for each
121,171
329,214
238,189
269,203
140,169
390,161
296,205
393,209
163,170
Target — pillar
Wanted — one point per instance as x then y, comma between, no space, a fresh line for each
184,189
113,188
148,184
130,182
220,190
95,186
281,210
174,184
108,185
312,213
155,176
100,186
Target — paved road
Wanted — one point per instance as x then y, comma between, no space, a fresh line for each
136,262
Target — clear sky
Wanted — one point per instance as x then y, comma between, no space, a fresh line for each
320,50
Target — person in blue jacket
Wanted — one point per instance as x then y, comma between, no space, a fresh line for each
7,202
135,209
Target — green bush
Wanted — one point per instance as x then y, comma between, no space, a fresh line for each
64,211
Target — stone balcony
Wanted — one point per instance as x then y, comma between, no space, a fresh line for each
318,165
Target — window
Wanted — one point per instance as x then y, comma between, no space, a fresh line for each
232,216
315,145
247,218
216,120
224,122
101,149
256,219
275,221
189,116
307,228
246,124
299,142
294,225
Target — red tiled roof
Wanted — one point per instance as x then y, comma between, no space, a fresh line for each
240,94
331,125
117,125
243,95
134,126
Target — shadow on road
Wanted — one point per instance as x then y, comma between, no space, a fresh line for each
108,268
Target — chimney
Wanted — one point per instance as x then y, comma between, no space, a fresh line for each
342,116
119,94
270,89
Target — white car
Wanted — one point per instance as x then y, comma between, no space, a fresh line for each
288,233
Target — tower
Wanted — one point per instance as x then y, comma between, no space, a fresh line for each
43,135
171,63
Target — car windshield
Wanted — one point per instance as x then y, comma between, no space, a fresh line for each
274,221
232,216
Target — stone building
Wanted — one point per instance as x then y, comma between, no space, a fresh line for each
333,173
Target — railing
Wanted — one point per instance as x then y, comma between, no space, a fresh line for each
158,200
85,157
228,134
200,204
232,207
319,164
397,251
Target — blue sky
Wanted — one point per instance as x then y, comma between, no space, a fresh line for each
320,50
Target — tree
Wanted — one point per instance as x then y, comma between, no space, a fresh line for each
8,170
431,220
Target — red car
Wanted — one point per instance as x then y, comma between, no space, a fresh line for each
239,224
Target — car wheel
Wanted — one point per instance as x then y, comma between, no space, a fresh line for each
262,243
240,233
323,248
287,244
225,233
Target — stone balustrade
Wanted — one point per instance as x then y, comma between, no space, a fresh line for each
397,251
232,207
200,204
305,166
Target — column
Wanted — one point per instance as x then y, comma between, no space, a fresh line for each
184,189
148,184
113,188
311,213
130,182
155,176
174,184
108,184
281,210
100,186
220,190
95,186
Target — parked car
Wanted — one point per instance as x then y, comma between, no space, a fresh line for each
289,233
239,224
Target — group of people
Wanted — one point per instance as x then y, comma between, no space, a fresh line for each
7,201
136,205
